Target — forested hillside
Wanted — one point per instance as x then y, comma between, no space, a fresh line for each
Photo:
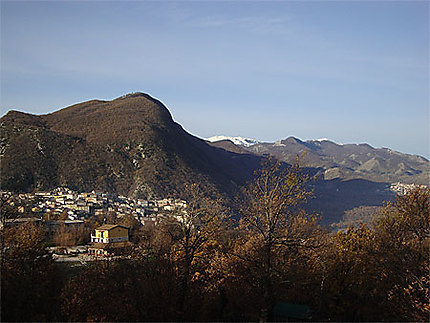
130,145
274,263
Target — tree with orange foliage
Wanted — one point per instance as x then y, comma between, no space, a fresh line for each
29,282
193,232
381,272
351,288
403,241
274,228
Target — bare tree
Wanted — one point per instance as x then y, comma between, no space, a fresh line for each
192,229
273,224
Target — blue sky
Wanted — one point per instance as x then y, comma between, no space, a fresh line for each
351,71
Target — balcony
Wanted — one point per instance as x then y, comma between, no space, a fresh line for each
99,239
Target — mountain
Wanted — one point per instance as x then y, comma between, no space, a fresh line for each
240,141
129,145
132,146
351,176
349,161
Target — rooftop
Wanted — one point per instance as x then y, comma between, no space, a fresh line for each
110,227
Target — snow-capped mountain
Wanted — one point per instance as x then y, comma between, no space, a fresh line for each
236,140
349,161
320,139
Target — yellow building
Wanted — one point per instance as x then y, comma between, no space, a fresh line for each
109,239
110,233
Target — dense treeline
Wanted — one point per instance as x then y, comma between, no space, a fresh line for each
206,266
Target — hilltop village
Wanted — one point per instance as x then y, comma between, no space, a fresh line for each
402,189
65,212
64,204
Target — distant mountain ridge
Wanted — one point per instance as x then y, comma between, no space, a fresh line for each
349,161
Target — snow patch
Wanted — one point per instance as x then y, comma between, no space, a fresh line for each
240,141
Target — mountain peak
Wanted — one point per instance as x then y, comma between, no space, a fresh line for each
111,121
135,95
129,145
22,118
322,140
291,140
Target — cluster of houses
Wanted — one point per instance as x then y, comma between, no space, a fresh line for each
402,188
79,206
74,208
